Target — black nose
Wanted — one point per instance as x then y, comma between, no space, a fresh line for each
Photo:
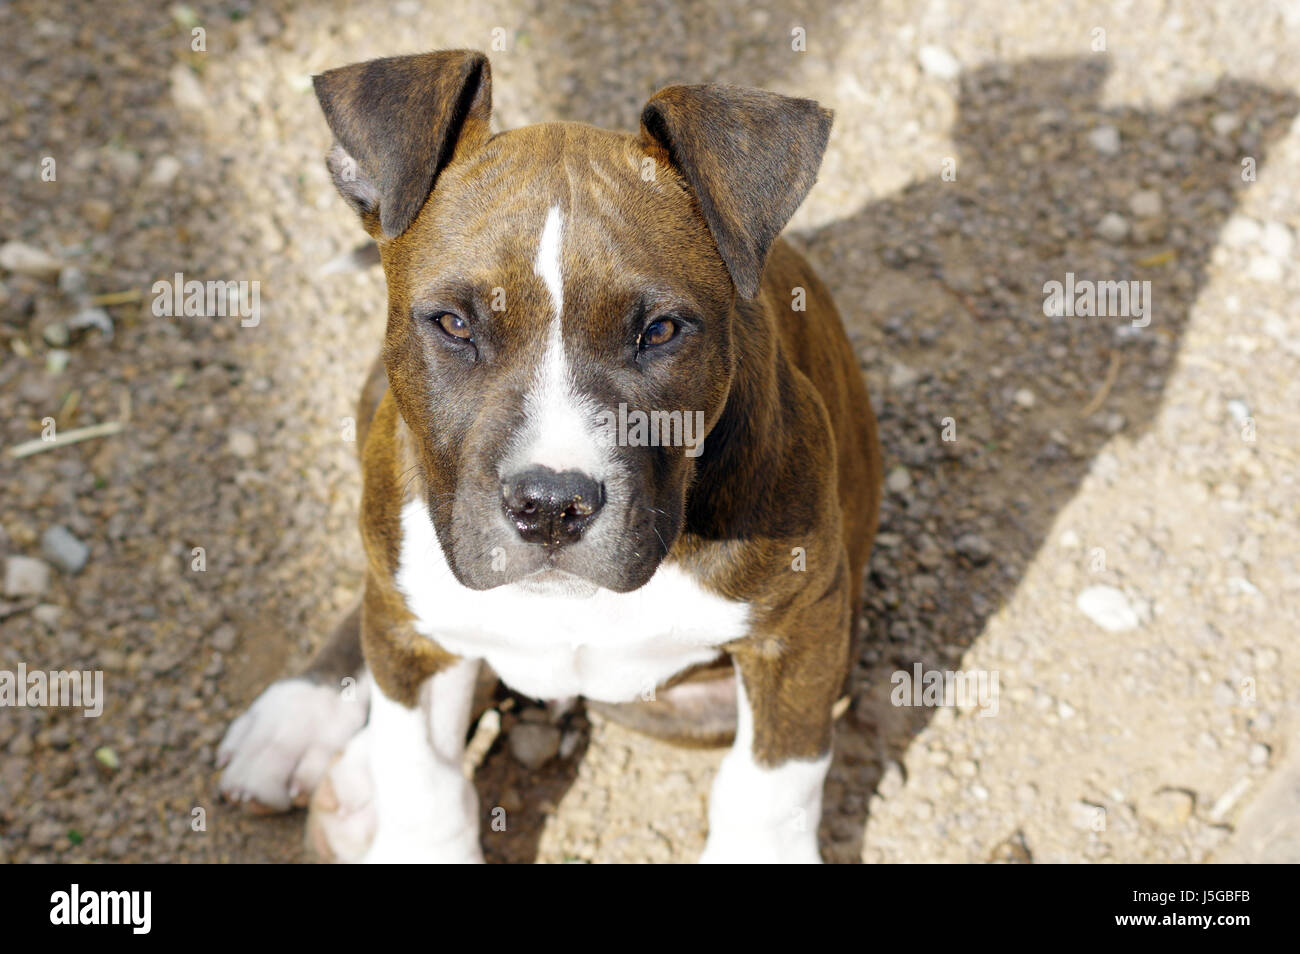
550,508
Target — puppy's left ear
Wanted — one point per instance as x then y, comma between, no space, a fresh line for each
397,122
749,155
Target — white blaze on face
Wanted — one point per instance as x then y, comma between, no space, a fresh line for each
559,431
547,265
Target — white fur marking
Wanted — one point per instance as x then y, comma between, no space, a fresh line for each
549,249
613,647
426,810
560,430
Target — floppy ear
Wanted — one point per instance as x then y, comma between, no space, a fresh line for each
750,156
397,121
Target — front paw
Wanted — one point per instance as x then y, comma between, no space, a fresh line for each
343,821
761,848
275,753
413,847
341,818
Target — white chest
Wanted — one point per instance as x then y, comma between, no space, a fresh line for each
612,647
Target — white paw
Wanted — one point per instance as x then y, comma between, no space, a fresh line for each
341,819
415,848
276,753
760,848
441,828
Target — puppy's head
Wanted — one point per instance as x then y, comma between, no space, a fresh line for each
561,299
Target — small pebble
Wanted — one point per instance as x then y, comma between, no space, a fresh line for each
899,481
187,92
1108,607
242,444
533,744
1113,227
26,576
47,614
902,377
28,260
98,214
56,335
1239,410
223,638
938,62
974,548
96,318
1224,124
164,171
64,550
1105,139
1145,204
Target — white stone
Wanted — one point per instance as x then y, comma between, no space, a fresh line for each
26,576
1108,607
1224,123
1105,139
165,171
1146,204
64,550
1112,227
47,614
899,481
242,444
533,744
187,93
901,376
28,260
937,61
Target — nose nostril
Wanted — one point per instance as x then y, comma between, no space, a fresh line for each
551,508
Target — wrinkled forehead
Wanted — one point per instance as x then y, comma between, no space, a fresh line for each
611,214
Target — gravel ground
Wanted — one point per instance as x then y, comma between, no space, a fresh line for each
1111,532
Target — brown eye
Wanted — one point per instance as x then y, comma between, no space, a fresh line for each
658,332
454,325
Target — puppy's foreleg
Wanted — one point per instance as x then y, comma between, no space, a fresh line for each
767,797
426,809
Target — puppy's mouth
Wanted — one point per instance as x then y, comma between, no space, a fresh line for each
618,551
550,581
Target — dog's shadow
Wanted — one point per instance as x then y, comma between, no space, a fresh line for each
941,288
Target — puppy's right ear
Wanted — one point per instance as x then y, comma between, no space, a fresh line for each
397,122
